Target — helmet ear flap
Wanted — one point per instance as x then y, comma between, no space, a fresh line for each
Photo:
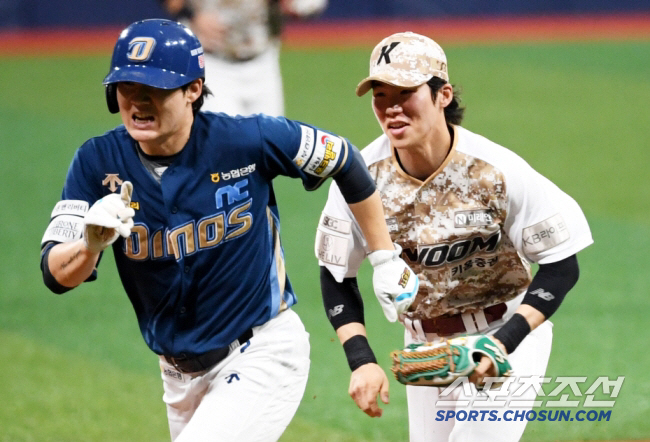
111,98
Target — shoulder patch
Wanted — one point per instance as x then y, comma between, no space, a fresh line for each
319,152
331,249
545,235
306,146
335,224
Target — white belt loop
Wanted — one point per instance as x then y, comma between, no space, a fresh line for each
417,324
468,322
481,320
408,324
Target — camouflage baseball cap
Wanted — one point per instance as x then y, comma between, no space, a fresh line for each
405,59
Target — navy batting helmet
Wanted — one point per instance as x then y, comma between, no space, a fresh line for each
159,53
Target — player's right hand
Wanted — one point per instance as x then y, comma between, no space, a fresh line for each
366,382
109,218
394,282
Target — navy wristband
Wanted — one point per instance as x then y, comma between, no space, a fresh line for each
358,352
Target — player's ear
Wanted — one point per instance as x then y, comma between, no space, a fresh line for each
446,94
194,90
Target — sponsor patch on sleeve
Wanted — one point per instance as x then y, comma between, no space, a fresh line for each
331,249
326,154
64,228
306,146
70,207
545,235
335,224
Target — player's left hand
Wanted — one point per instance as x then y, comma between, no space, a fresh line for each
443,363
394,282
485,367
366,382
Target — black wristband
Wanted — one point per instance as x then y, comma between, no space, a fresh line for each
358,352
513,332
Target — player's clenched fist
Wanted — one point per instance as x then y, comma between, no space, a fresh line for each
394,282
109,218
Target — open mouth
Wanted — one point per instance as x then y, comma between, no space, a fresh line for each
141,118
397,128
397,125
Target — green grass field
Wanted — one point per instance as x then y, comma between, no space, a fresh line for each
75,368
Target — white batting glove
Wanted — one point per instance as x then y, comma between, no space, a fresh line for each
394,282
109,218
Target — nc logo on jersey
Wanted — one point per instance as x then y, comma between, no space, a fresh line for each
141,49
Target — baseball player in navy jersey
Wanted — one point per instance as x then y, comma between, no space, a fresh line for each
470,217
186,200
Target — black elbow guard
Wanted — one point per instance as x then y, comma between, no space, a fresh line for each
342,301
551,284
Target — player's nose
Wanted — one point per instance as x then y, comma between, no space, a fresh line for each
394,109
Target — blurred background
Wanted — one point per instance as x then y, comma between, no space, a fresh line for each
562,83
84,13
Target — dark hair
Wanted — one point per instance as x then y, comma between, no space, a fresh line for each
198,103
453,112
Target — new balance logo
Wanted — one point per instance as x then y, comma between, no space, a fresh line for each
546,296
336,310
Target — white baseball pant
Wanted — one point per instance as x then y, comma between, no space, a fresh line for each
251,395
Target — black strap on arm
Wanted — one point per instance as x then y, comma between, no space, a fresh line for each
355,182
546,292
344,305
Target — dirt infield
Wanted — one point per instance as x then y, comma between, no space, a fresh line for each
364,34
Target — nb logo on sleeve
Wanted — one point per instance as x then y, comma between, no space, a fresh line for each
336,310
546,296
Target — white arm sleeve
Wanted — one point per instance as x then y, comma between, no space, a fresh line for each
340,245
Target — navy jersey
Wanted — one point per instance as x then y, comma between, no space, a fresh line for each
204,261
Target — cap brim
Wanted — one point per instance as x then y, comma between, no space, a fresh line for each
366,84
154,77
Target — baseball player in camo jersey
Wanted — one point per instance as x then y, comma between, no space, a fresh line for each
186,200
471,217
242,41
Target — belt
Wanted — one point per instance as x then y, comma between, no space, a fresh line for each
205,361
450,325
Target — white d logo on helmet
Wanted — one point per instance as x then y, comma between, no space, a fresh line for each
141,48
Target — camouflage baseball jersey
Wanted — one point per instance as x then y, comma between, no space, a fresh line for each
470,230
